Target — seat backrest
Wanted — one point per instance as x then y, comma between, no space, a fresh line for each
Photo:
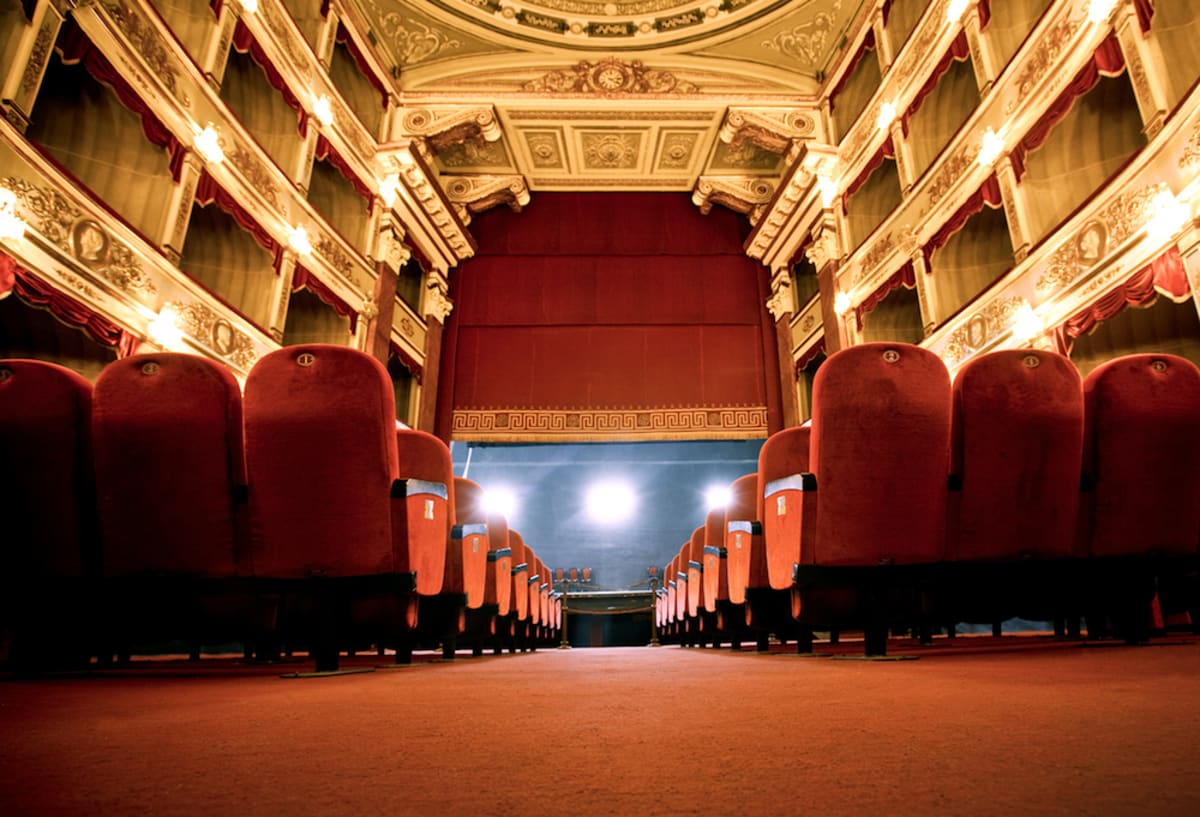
681,583
1142,456
466,564
321,460
695,571
520,575
880,449
498,584
740,538
170,466
46,490
535,585
425,464
716,581
782,461
1016,448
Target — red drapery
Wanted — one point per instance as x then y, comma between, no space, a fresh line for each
959,50
904,277
1165,274
74,47
609,302
208,191
344,37
808,357
988,193
886,151
1145,13
985,12
244,42
1106,61
414,368
326,152
216,6
867,45
36,292
303,279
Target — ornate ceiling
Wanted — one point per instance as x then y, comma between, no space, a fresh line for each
708,96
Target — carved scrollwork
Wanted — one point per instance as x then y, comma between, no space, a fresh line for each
610,76
212,330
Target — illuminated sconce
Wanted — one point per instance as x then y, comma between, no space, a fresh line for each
388,188
887,115
1026,325
1100,10
208,145
298,241
990,148
1167,217
322,111
12,226
164,330
829,190
249,6
841,303
954,11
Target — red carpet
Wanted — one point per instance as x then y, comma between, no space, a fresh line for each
1048,729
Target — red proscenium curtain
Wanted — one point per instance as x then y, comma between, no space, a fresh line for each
609,301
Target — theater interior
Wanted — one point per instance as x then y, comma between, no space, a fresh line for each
599,407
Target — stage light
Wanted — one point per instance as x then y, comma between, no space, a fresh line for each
610,502
388,187
990,148
887,115
1026,325
1167,217
502,501
716,496
954,11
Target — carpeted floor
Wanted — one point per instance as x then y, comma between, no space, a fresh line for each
973,728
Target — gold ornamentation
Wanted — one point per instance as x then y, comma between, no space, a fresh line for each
823,249
479,193
742,194
1049,47
951,173
474,154
437,305
973,336
69,228
407,328
543,147
283,36
369,310
611,151
747,156
1191,151
782,302
1111,226
213,330
610,76
331,252
810,320
724,422
676,153
145,40
880,250
806,42
38,54
253,172
413,41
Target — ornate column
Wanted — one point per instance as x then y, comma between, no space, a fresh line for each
179,207
327,38
782,305
983,54
23,75
216,53
926,292
392,255
825,254
282,294
1016,208
883,44
436,306
904,159
301,172
1147,70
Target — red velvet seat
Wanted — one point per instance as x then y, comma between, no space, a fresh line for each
171,491
426,468
328,511
519,576
782,466
742,533
714,576
879,450
498,587
466,566
1016,455
1141,458
695,570
49,546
